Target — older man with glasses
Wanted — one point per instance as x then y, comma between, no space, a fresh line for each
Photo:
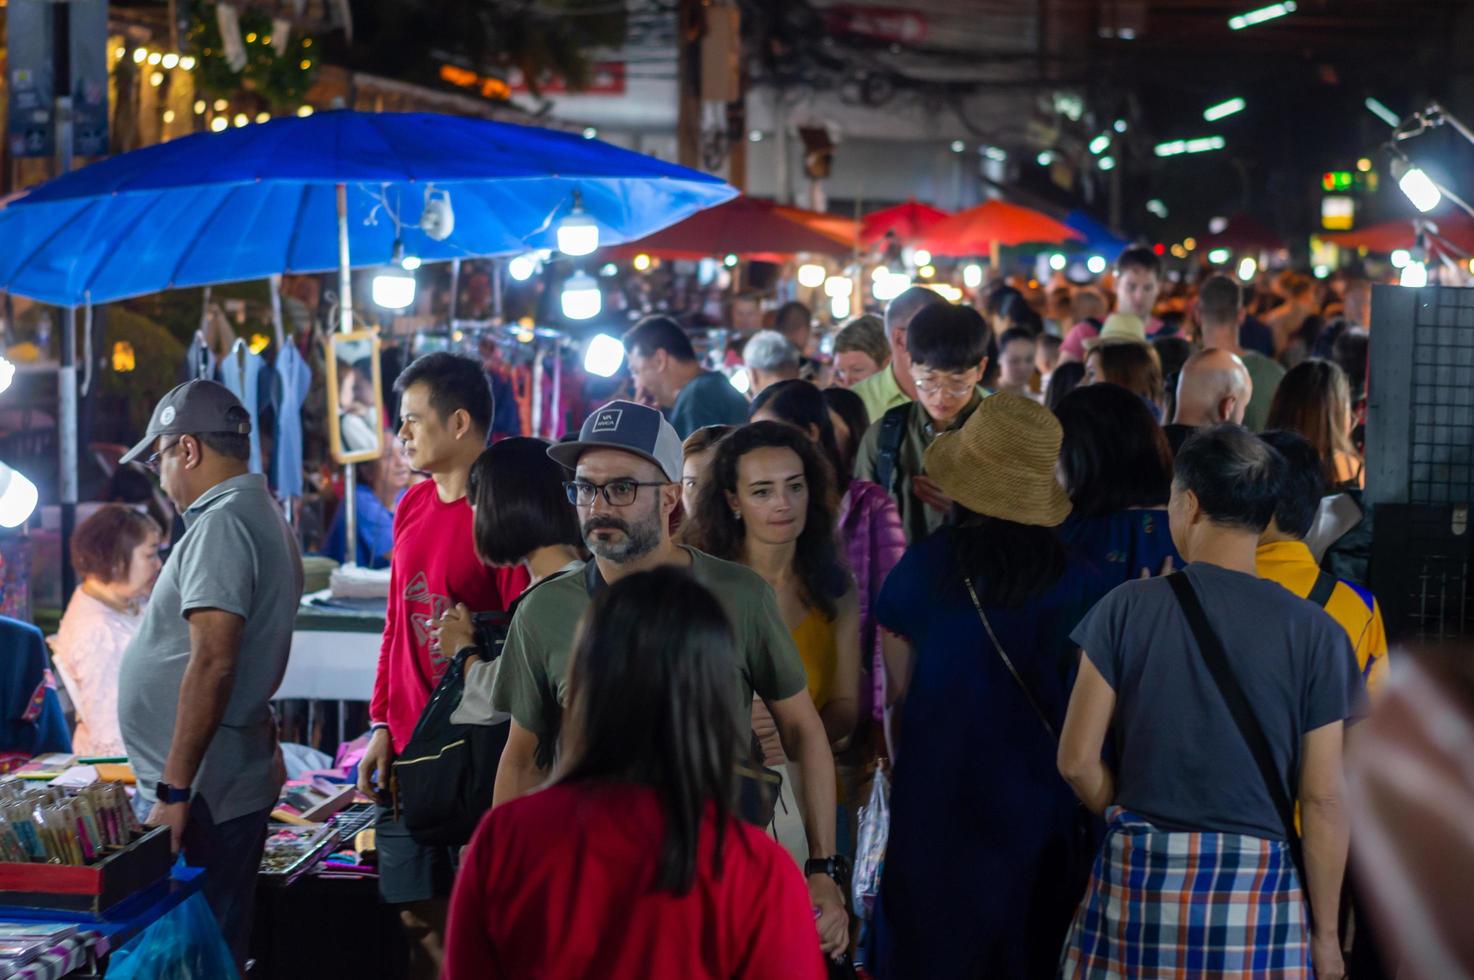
195,683
626,485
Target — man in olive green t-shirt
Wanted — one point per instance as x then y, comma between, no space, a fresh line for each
626,485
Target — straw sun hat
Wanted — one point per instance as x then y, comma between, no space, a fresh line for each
1001,462
1119,328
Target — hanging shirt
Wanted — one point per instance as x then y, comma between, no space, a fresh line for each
294,378
199,360
433,567
245,384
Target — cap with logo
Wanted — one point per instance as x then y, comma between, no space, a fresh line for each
632,428
193,408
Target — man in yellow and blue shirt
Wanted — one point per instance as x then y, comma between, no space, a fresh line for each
1284,558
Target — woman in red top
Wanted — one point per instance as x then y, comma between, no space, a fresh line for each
632,863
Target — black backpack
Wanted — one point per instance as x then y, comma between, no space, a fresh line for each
888,446
445,776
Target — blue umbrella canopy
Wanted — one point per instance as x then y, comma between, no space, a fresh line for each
257,200
1099,240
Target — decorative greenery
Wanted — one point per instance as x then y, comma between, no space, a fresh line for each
158,360
279,80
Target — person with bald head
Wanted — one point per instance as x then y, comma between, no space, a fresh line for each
1221,321
1214,387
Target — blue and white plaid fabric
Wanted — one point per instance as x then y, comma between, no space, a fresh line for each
1177,904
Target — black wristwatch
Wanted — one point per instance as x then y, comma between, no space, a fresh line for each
836,867
169,794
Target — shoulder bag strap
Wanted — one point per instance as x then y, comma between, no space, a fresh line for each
1243,716
888,447
1320,593
1007,662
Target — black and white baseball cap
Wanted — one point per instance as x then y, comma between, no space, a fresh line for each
633,428
193,408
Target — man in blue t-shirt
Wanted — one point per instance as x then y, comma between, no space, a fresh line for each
1183,780
664,366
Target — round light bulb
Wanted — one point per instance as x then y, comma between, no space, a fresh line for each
972,275
18,497
578,234
522,267
581,298
811,276
1057,261
604,356
1096,264
394,290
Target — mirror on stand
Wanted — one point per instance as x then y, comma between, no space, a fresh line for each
355,397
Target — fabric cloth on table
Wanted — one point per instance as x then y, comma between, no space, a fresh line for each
294,379
870,528
1188,904
31,720
1124,544
88,652
989,850
240,371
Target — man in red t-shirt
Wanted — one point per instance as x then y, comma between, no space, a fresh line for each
445,411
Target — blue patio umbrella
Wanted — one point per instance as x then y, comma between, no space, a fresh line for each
1099,240
258,200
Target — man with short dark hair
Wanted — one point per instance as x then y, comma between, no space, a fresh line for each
1284,558
1196,818
626,468
795,321
949,349
1220,315
1138,281
196,682
445,411
664,366
1213,387
892,386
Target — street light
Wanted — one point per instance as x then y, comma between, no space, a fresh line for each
1224,109
1383,113
1417,185
1252,17
1100,144
1202,144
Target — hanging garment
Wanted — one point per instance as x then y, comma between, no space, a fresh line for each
294,377
199,360
241,373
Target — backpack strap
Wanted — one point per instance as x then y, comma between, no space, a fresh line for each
1320,593
888,446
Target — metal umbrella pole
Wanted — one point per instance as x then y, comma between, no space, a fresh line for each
345,325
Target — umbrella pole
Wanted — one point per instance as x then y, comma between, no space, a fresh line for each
345,324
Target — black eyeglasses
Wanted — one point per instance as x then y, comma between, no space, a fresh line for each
153,460
617,493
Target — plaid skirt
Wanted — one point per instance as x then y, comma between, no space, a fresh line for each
1178,904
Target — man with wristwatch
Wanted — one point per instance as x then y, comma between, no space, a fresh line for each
196,682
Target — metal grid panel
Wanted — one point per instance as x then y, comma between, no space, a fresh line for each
1441,426
1421,572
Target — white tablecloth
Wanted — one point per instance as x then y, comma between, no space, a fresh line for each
331,665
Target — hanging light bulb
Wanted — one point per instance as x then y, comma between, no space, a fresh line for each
972,275
578,234
839,307
642,263
1414,275
522,267
394,289
17,497
7,373
1418,186
1096,264
1057,261
170,61
921,257
838,286
811,276
581,297
1400,257
604,356
1247,268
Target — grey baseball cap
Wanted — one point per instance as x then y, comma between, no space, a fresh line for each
633,428
193,408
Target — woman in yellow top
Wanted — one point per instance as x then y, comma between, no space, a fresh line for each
769,504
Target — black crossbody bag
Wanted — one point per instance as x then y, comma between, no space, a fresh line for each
1248,724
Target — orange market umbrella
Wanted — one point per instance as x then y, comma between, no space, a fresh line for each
1457,231
841,229
978,230
906,221
746,227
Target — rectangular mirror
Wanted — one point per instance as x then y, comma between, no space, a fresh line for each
355,397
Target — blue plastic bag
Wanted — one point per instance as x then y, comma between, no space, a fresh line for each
185,944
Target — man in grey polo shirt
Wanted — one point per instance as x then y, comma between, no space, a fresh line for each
195,683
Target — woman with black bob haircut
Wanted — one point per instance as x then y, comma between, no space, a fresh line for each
770,504
619,867
867,523
1116,466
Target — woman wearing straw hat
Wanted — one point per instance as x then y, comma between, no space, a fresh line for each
988,851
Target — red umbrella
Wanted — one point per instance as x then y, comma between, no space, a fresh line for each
977,230
907,221
744,226
1389,236
1245,234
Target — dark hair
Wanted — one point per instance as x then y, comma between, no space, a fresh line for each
231,445
1009,563
1349,351
131,484
717,532
1016,333
454,383
1313,399
850,407
949,338
650,700
801,404
1114,455
1065,378
659,333
517,492
1024,317
102,545
1132,366
1220,300
705,438
1139,258
795,311
1172,353
1304,484
1237,477
1002,299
